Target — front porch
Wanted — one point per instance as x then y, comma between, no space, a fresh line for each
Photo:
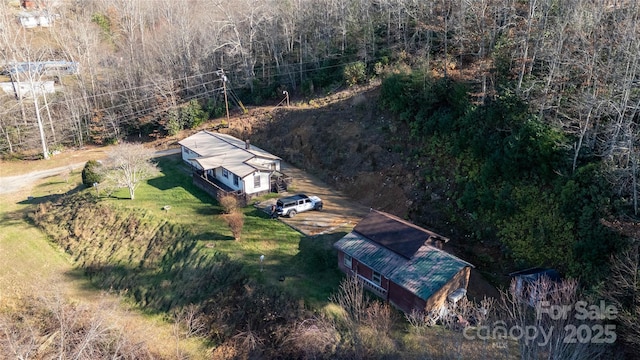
218,190
279,183
373,287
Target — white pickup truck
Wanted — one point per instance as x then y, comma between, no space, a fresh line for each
291,205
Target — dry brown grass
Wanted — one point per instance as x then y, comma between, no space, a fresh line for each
30,267
66,158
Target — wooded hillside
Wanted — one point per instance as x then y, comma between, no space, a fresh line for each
575,63
515,120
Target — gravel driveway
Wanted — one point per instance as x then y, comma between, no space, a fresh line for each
339,213
10,184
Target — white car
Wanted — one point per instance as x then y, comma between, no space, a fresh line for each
291,205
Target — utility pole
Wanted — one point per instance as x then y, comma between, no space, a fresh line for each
43,139
224,89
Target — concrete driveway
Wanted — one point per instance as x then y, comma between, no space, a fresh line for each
338,212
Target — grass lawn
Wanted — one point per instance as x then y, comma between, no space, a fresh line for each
304,266
30,266
25,255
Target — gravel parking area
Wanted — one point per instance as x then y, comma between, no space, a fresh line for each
338,213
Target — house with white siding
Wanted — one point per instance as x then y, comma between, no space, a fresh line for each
224,165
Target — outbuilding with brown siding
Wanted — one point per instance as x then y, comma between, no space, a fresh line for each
401,262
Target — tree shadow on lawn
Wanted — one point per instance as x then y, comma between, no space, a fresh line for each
53,198
316,253
163,288
10,218
212,236
255,212
312,273
173,177
209,210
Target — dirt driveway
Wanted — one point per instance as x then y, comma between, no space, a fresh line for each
339,213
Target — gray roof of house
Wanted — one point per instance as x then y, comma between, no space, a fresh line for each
400,236
423,273
222,150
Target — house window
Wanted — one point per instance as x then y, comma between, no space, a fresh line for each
256,181
225,172
235,179
376,278
347,261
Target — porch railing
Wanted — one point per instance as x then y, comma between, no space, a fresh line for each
373,287
216,191
280,182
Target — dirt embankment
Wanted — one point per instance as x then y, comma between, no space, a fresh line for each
353,145
339,141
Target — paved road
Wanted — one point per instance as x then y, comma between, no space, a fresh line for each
10,184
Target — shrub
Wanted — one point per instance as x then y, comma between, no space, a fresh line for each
91,173
174,123
229,203
235,221
355,73
103,22
311,338
192,114
214,108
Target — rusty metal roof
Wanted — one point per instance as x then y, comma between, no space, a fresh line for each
399,236
423,273
369,253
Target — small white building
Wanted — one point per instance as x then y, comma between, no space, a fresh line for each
27,89
35,18
231,164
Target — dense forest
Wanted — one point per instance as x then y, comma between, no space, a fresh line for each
523,113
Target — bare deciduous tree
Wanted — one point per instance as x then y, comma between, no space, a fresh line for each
50,327
623,290
187,322
546,310
314,338
129,165
235,220
352,298
229,203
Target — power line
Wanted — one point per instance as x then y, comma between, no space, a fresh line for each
155,108
183,79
